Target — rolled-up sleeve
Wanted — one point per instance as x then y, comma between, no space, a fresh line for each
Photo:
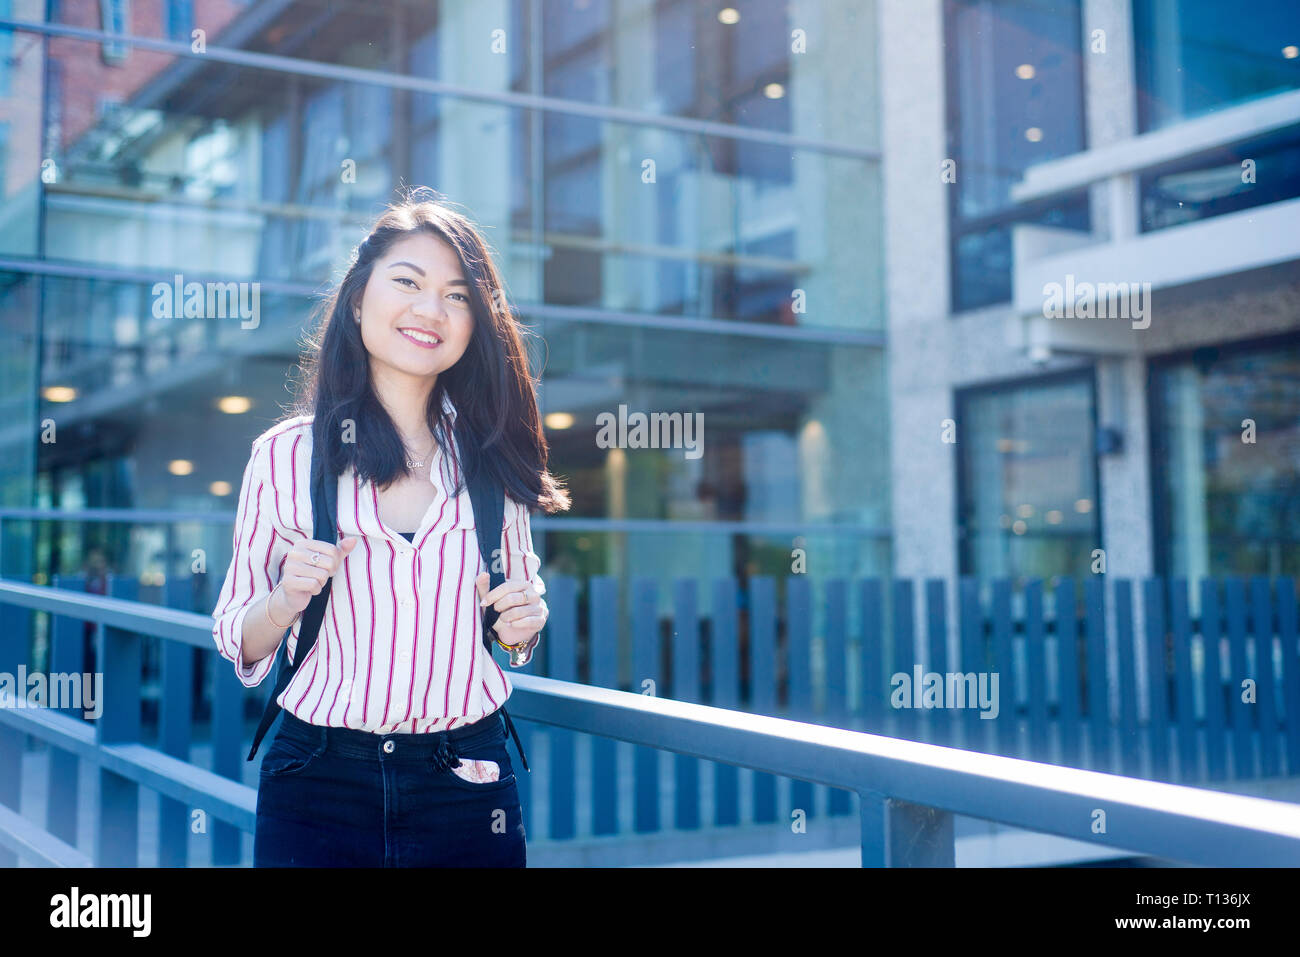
520,560
256,563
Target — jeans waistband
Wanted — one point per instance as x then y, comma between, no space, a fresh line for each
428,745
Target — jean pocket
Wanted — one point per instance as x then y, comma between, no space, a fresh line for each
477,771
482,758
289,755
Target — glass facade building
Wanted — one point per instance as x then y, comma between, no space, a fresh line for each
1200,412
685,205
688,207
825,227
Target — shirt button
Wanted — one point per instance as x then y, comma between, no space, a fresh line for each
389,747
404,657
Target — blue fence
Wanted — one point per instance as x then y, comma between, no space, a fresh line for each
1064,698
1216,700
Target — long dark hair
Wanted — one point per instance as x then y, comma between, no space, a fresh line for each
498,425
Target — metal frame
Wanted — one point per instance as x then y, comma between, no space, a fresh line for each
532,101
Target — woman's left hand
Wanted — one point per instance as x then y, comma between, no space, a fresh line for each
522,612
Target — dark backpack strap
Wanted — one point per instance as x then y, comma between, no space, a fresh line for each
487,498
324,509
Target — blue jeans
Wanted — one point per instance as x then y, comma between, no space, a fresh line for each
338,797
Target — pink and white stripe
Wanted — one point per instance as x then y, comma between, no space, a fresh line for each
401,645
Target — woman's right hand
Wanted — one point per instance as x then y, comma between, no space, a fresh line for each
302,580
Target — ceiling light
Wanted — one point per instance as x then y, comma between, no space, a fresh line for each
234,404
559,420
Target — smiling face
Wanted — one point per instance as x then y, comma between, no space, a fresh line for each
415,312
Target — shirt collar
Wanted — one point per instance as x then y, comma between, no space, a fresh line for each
448,407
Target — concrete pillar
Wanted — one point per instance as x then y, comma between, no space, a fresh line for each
916,243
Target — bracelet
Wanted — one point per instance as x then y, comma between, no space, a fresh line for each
268,610
519,647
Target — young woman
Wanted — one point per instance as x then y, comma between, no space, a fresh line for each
392,747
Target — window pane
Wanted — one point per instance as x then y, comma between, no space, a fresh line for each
1015,98
1227,462
1028,480
1196,56
1215,183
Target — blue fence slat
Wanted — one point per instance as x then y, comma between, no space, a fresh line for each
229,749
724,691
175,735
906,719
1067,674
1008,720
798,658
603,656
875,686
1287,635
175,731
1130,745
1036,663
1240,711
973,660
645,668
686,687
836,644
117,837
15,627
762,679
1261,626
799,626
839,801
561,664
67,656
1153,594
1094,603
939,721
1216,749
1180,628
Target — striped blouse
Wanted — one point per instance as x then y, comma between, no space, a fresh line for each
400,648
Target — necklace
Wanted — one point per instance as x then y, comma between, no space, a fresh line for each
417,465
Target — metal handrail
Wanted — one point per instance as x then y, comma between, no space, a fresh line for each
226,518
909,790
